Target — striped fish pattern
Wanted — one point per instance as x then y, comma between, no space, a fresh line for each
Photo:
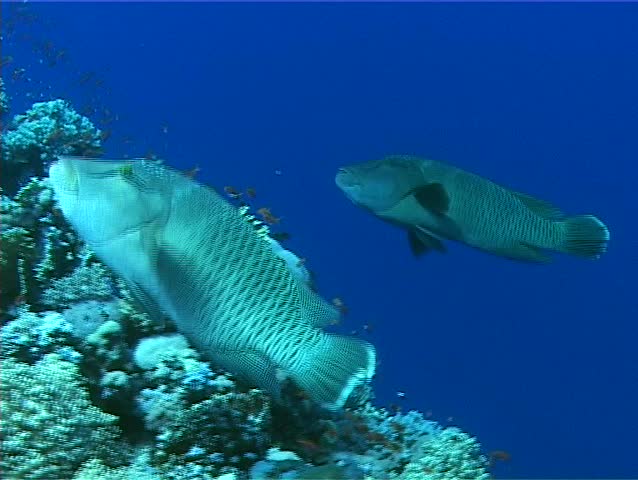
435,202
185,251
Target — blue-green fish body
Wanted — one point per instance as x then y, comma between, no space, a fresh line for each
187,252
434,201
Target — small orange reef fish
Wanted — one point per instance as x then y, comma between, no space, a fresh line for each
251,193
232,192
340,305
267,216
499,456
192,172
280,236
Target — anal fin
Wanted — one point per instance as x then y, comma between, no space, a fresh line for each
252,367
525,253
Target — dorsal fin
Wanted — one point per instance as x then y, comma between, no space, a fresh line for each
540,207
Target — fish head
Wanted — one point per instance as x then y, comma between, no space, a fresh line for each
103,199
379,184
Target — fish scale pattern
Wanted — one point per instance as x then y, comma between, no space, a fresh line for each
256,302
188,252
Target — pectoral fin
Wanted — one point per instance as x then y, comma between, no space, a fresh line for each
433,197
524,253
540,207
422,242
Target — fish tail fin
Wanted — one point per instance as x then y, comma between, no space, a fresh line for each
332,371
585,236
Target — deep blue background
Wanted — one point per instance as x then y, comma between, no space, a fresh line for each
536,360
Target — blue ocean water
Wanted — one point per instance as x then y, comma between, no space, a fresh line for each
539,361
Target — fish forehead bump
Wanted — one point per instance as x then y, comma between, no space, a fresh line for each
397,167
101,199
380,184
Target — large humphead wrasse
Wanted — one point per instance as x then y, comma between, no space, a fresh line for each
187,252
434,201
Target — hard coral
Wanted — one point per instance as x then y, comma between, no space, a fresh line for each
450,455
86,282
31,336
49,426
49,129
203,422
37,244
33,140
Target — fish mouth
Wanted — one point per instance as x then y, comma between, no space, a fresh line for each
348,185
344,179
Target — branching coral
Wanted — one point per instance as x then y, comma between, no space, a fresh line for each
87,282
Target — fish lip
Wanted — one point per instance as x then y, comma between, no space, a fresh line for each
344,179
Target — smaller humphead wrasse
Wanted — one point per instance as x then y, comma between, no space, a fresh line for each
435,202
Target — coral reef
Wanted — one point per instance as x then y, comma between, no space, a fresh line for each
37,245
31,336
47,130
95,387
450,455
49,427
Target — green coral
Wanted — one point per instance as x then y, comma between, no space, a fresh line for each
49,426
